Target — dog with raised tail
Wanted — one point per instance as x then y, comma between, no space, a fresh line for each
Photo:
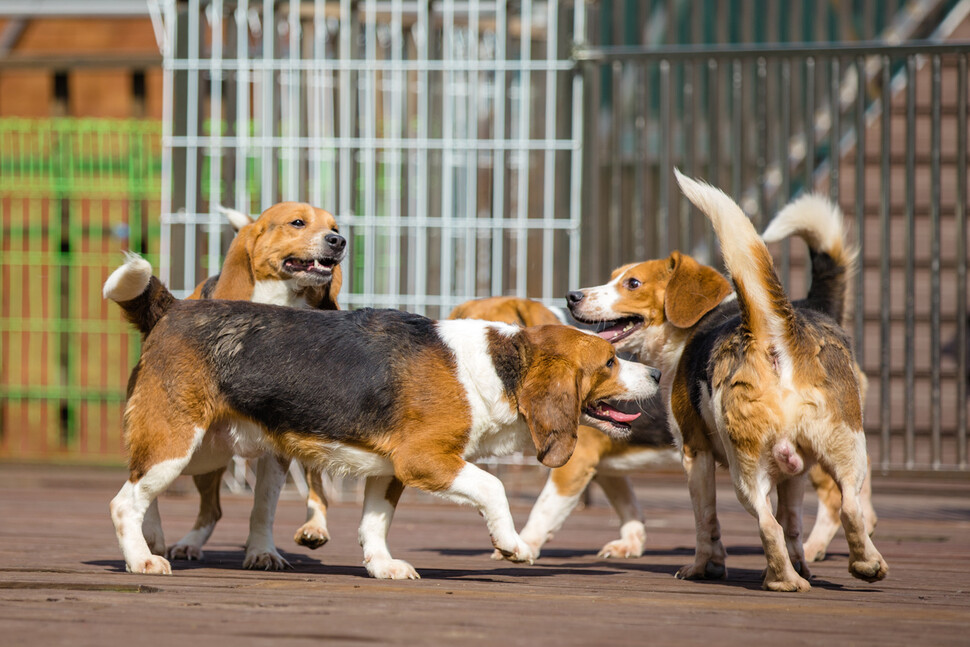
753,381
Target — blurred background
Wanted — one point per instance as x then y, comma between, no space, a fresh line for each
470,149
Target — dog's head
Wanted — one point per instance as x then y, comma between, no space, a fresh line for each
571,377
290,241
644,302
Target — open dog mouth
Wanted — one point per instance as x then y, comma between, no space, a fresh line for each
614,331
322,267
614,417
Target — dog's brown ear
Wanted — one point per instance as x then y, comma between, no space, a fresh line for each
236,281
549,402
692,291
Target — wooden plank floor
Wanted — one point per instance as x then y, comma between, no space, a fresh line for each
62,580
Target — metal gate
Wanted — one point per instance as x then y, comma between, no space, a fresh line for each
444,137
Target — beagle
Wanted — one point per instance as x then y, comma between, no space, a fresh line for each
598,457
751,380
289,256
395,397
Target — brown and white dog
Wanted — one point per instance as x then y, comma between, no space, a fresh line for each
395,397
598,457
753,381
289,256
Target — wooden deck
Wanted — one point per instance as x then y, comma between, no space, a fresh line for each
62,579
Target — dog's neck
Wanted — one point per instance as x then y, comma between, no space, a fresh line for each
281,293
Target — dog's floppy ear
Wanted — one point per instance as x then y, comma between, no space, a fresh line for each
336,279
236,281
692,291
549,402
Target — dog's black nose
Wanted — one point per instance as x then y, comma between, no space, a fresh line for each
336,242
574,297
654,373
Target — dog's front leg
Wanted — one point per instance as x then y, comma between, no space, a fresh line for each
381,494
479,488
261,551
709,556
314,533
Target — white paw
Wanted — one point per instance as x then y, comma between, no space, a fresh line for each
622,548
521,552
185,551
153,565
267,560
391,569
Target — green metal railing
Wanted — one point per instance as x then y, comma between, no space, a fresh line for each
74,193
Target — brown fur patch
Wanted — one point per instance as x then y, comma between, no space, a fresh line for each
513,310
573,477
692,290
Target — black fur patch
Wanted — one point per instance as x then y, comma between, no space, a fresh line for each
333,374
510,357
209,286
147,308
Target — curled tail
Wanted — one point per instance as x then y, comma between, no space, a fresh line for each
818,222
141,295
766,311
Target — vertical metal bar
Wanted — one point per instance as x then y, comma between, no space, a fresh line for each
215,133
714,137
369,119
165,204
615,231
267,108
549,180
690,144
784,158
859,319
419,261
664,213
935,403
737,128
498,158
577,152
525,127
961,225
910,348
885,288
835,103
346,122
472,75
243,201
293,118
191,148
809,124
761,147
394,166
316,93
448,100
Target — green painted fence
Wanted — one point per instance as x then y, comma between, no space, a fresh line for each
74,193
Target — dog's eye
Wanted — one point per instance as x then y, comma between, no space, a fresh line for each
298,223
632,284
610,362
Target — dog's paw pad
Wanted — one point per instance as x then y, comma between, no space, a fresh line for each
185,551
621,548
391,569
154,565
265,561
312,537
869,571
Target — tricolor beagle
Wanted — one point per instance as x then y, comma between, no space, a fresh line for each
395,397
289,256
754,382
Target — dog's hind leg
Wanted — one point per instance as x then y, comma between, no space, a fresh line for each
709,556
261,551
130,505
381,494
633,534
847,463
753,485
151,528
314,533
210,511
827,518
791,494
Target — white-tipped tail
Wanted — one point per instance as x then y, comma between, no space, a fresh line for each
129,280
765,307
814,218
237,219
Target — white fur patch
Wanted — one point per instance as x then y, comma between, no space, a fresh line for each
344,459
129,280
636,458
279,293
491,412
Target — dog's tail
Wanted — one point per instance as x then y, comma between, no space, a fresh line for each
818,222
766,311
142,297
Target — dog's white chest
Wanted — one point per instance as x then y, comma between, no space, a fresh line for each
278,293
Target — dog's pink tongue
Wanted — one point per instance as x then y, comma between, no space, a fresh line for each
607,411
610,332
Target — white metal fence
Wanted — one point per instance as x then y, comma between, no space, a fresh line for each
444,136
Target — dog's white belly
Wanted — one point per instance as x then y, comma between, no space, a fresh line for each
222,441
499,440
638,458
338,458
